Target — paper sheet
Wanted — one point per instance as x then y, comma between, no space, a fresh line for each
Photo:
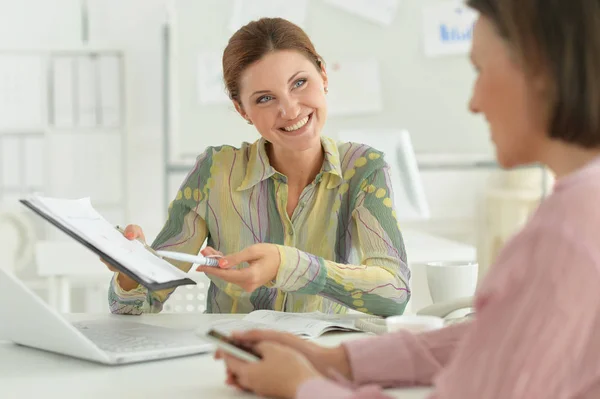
378,11
447,28
245,11
62,82
11,162
80,166
308,325
22,92
210,84
86,74
110,90
354,87
34,163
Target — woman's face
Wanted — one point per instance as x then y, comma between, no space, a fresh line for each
511,100
283,95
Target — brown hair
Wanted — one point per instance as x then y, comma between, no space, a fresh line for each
561,38
252,41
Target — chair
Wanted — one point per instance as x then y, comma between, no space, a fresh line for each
409,193
64,263
189,298
17,235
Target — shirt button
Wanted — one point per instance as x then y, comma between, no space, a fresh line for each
291,232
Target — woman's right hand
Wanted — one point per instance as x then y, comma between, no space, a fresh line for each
131,232
323,359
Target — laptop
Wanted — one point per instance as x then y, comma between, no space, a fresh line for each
27,320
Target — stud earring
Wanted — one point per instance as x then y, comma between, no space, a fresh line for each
326,90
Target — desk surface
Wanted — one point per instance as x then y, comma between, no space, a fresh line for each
29,373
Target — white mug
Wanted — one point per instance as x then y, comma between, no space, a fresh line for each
413,323
451,280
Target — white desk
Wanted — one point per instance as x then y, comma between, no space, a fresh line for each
30,373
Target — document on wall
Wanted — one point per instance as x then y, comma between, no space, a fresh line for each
382,12
63,70
245,11
447,28
210,85
22,92
34,163
110,90
78,219
86,92
354,87
305,325
11,162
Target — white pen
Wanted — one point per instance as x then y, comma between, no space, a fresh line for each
196,259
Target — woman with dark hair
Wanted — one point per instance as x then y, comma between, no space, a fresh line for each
290,209
536,333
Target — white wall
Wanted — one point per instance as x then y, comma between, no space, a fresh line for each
39,24
413,86
136,27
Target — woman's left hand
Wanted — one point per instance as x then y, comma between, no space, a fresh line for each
279,374
263,264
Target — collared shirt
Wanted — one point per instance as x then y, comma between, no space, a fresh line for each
536,333
341,248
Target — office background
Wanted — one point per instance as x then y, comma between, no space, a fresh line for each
145,52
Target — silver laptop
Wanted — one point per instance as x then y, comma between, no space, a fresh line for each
27,320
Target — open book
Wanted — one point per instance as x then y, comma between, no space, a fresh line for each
82,222
305,325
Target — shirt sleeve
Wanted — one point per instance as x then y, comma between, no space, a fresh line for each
403,358
184,231
321,388
535,334
379,284
391,360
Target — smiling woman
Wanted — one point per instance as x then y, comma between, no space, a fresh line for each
289,209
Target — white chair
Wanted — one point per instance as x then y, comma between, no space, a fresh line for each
65,263
409,193
189,298
17,235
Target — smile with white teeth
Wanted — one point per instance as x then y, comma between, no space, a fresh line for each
297,125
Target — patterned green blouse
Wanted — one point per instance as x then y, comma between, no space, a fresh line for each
342,247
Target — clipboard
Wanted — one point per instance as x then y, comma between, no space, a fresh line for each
150,285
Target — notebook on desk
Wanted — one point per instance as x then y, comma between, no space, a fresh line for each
304,325
79,220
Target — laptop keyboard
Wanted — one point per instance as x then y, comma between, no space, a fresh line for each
106,338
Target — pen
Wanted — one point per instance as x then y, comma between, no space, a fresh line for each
199,260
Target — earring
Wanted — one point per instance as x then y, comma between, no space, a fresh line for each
249,122
326,90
